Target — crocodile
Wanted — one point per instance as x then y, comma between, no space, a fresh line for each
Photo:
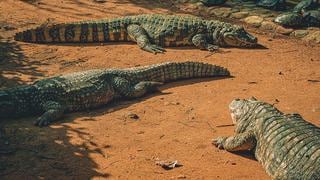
52,97
306,5
286,145
292,19
270,4
212,2
304,14
152,32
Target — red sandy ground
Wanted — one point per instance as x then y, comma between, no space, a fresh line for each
177,124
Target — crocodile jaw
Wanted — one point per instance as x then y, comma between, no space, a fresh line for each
239,37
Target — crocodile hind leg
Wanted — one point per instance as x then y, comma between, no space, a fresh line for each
139,35
200,41
127,90
239,142
53,111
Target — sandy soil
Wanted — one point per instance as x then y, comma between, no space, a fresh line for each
176,124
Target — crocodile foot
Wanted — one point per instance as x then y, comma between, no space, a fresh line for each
218,142
154,49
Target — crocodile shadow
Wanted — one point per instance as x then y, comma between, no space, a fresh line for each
118,105
246,154
13,64
27,152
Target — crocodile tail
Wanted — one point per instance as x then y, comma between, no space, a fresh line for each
171,71
80,32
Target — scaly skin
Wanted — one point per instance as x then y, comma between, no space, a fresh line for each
305,5
272,4
151,32
55,96
212,2
302,15
286,145
292,19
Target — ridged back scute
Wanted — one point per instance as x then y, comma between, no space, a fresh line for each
112,29
171,71
293,147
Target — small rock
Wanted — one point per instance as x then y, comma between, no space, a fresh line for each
239,15
171,103
167,165
221,12
254,20
262,11
313,28
200,5
284,31
299,33
268,26
234,10
133,116
313,37
181,176
268,15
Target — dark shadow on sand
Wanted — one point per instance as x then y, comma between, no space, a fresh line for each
246,154
13,64
32,152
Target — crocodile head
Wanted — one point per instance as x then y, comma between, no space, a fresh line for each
238,108
7,106
289,19
245,112
241,112
236,36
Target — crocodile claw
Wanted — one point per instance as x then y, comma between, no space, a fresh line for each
41,122
154,49
218,142
212,48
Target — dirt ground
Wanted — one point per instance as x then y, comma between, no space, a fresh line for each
177,124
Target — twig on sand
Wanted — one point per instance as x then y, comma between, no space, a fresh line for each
225,125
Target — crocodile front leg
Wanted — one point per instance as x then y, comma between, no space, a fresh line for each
239,142
53,111
200,41
139,35
127,90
